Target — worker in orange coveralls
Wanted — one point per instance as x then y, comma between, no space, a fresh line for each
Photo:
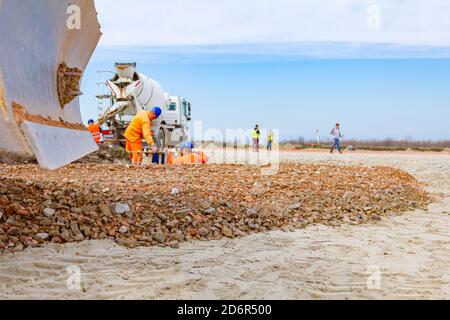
95,130
187,156
139,129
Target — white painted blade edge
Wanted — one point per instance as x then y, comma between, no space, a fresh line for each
55,147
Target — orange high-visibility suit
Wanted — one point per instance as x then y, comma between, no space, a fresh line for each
96,132
138,129
192,158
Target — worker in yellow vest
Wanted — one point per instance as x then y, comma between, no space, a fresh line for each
255,136
269,140
95,130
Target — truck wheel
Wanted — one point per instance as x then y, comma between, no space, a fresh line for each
161,139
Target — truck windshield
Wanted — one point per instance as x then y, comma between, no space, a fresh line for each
172,106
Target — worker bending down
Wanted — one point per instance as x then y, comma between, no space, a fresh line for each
95,130
188,156
140,128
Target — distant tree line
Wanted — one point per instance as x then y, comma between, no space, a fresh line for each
374,144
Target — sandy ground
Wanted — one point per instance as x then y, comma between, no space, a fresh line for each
405,257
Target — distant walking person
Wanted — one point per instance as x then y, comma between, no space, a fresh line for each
255,136
269,140
336,135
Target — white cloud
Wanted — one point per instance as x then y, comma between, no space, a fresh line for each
203,22
258,53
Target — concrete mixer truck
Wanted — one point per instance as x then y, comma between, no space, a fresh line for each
131,92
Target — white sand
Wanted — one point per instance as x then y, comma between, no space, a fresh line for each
411,253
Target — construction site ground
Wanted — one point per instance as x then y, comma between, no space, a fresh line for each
235,249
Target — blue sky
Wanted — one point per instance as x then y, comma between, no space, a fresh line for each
388,77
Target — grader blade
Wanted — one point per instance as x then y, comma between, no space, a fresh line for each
45,46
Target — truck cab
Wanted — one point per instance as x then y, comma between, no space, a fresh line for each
171,128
